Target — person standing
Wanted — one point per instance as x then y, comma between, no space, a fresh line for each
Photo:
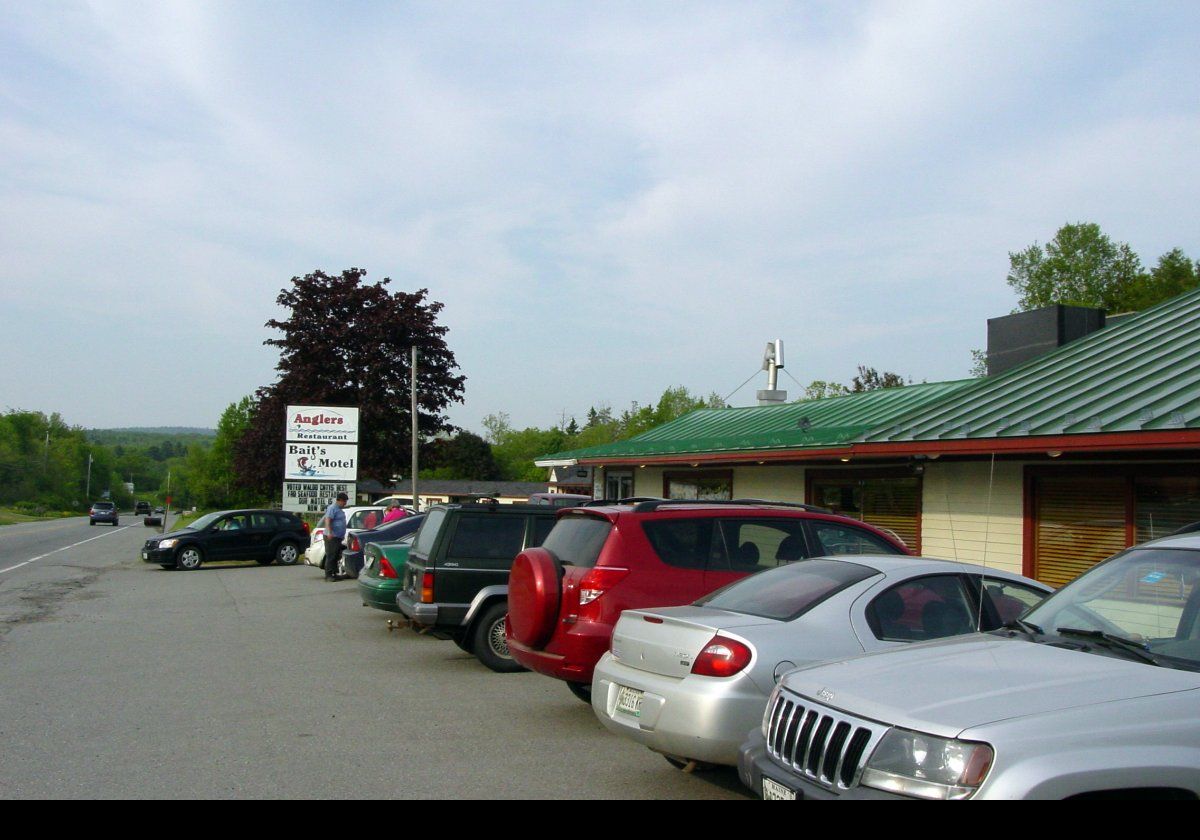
335,531
394,512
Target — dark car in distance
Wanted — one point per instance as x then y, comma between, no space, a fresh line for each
141,509
264,536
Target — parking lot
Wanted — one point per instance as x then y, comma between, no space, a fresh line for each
240,681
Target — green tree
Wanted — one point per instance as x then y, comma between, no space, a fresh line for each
465,457
1080,266
347,342
1173,275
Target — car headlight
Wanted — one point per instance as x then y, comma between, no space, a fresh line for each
928,767
167,543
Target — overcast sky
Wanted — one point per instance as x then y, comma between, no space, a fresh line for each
610,198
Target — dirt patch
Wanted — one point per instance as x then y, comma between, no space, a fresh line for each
40,601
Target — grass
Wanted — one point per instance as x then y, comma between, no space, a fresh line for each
12,517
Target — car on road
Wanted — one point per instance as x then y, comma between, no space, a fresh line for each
104,512
264,536
690,682
141,509
1093,694
566,596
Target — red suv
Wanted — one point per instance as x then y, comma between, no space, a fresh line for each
565,597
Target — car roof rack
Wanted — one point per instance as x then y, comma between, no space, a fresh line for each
655,504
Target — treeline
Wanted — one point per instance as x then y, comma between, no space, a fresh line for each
506,453
48,465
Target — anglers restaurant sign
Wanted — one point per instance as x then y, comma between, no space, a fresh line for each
322,423
320,456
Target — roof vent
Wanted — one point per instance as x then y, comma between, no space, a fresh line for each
772,362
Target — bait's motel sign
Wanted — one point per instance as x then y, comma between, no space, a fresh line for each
320,456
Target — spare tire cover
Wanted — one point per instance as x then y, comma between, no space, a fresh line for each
534,592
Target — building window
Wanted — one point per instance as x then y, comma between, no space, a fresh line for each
1079,517
713,485
618,485
887,499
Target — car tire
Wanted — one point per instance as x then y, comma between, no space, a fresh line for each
287,554
188,558
488,642
91,521
581,690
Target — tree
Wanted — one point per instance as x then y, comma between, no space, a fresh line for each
347,342
465,457
1080,266
819,389
869,379
1173,275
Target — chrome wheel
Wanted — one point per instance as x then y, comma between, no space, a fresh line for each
287,554
189,558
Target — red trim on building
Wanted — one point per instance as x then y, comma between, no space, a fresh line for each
1107,442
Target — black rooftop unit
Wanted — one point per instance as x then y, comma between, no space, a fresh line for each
1015,339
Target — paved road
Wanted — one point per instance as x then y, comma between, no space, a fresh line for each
120,679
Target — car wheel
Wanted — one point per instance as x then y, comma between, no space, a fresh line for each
287,554
91,521
490,646
188,558
581,690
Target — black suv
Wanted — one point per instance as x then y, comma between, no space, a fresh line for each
265,536
141,509
456,577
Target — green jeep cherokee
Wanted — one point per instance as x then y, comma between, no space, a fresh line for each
456,577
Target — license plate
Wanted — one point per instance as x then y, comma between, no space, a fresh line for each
145,555
773,790
629,701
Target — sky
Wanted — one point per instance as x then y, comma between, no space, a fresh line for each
609,198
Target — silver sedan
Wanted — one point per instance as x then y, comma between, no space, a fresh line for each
690,682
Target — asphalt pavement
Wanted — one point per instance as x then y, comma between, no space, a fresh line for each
119,679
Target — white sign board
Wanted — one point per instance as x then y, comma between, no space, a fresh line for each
322,423
313,496
320,462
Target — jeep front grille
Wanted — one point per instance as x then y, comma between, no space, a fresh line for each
822,745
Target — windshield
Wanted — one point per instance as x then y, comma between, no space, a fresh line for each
1144,596
204,521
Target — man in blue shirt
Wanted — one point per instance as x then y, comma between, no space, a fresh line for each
334,524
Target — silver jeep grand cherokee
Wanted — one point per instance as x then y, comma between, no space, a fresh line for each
1095,693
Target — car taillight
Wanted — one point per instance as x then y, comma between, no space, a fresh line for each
593,585
355,545
386,570
721,657
427,588
307,527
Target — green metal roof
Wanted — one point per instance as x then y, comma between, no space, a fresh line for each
800,425
1140,375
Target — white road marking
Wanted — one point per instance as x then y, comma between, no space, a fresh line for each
65,548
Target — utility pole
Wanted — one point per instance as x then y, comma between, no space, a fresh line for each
166,504
413,409
88,492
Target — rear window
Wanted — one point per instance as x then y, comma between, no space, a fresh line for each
577,540
103,505
428,533
787,592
